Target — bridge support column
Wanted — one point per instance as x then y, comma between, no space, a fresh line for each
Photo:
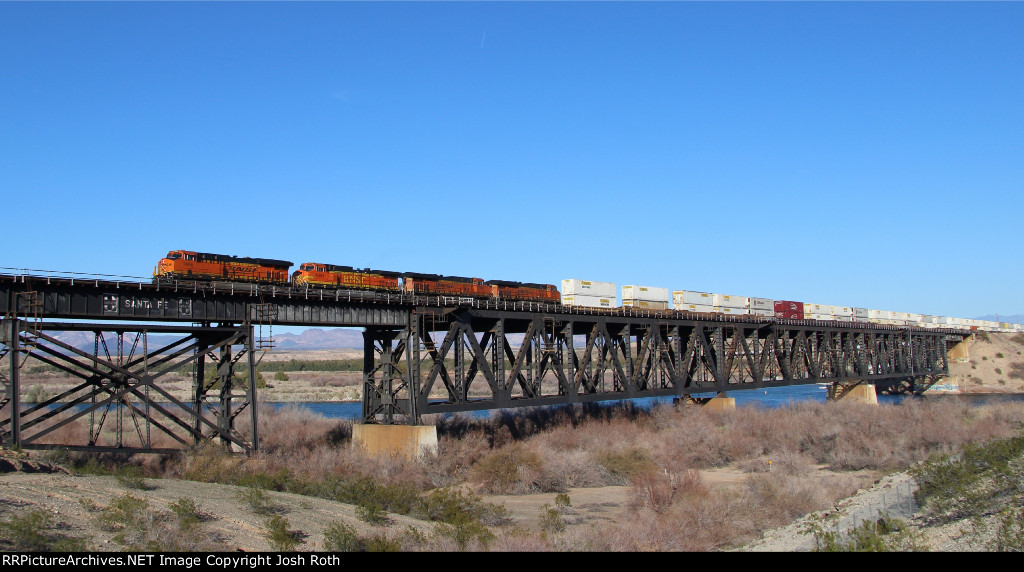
409,441
960,351
858,393
721,403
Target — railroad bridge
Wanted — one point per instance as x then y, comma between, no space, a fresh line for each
421,355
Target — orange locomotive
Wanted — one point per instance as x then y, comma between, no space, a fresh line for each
505,290
188,265
315,274
438,285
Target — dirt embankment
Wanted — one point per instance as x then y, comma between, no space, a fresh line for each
994,364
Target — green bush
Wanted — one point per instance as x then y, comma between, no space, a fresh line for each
550,520
622,465
340,537
34,531
256,499
187,511
282,539
372,513
280,376
882,535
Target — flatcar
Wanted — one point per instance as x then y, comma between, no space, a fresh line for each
189,265
317,275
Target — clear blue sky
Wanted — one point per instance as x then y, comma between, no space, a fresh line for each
862,154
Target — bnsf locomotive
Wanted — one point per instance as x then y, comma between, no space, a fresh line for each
188,265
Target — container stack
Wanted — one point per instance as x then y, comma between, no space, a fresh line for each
589,293
762,307
692,301
645,297
860,314
728,304
818,312
789,310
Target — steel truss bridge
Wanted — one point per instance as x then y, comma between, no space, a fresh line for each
421,355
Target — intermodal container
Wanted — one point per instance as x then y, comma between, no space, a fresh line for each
645,304
789,310
589,301
730,311
818,316
762,304
574,287
817,309
728,301
682,298
706,308
860,314
842,311
762,312
647,293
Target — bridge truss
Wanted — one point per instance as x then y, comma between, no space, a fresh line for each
472,359
117,397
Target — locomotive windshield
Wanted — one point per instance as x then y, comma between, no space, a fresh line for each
306,267
173,255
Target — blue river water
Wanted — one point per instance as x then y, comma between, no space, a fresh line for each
769,397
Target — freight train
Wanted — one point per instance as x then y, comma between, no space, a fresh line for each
189,265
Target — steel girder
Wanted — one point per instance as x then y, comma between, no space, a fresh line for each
120,390
469,359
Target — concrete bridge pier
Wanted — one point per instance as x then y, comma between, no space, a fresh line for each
858,393
960,351
409,441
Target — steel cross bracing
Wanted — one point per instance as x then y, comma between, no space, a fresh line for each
119,399
471,359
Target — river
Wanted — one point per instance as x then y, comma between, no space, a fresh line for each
769,397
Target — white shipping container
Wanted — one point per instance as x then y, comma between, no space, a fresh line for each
844,311
762,312
574,287
860,313
843,318
879,315
649,293
727,301
730,311
808,316
817,309
590,301
694,307
762,304
682,298
645,304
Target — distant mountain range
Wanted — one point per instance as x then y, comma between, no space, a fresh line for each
1015,319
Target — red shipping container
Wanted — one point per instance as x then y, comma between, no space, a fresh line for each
789,310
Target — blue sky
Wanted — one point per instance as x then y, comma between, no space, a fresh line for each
862,154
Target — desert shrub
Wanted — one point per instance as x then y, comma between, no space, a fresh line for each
382,543
36,531
622,465
976,481
187,511
372,512
510,469
1009,533
281,538
280,376
999,355
341,537
256,499
562,500
124,513
130,476
1016,370
550,520
885,534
